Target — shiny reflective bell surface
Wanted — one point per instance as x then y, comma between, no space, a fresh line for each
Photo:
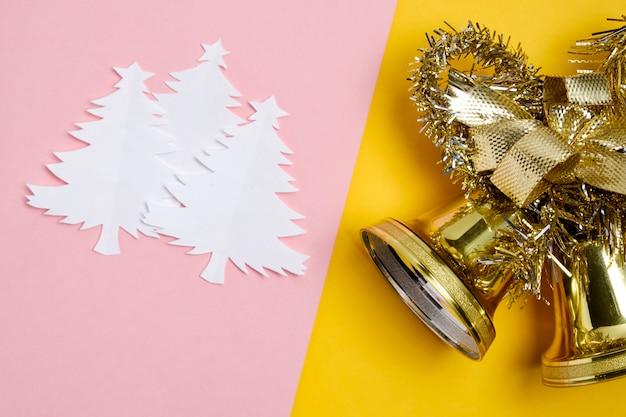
432,264
590,319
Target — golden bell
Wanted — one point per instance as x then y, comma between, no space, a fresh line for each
433,264
589,345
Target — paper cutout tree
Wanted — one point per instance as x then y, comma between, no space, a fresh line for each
198,112
109,182
234,212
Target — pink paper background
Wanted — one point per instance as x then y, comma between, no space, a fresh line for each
140,334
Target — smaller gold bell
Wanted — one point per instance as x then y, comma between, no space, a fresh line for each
589,345
433,265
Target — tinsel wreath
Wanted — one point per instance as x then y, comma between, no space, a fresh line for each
552,147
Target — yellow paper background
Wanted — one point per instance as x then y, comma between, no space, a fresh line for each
369,355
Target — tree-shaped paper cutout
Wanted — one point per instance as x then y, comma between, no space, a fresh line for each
198,112
109,181
234,212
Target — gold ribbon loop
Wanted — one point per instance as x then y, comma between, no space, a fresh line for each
494,140
474,104
525,170
568,120
603,150
582,140
586,90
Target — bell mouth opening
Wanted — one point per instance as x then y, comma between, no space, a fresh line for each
429,287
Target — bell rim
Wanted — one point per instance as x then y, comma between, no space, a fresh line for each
596,368
464,306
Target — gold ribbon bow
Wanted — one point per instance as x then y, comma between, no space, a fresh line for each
584,139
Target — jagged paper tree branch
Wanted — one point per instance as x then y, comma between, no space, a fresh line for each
199,111
109,182
234,212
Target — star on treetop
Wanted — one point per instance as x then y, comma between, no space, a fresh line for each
132,73
267,109
214,52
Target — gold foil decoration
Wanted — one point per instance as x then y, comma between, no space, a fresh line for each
542,162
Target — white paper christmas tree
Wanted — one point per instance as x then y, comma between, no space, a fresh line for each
234,212
198,112
109,182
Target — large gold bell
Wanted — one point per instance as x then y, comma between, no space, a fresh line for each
590,320
433,264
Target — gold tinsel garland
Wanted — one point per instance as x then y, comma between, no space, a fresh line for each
500,91
508,72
